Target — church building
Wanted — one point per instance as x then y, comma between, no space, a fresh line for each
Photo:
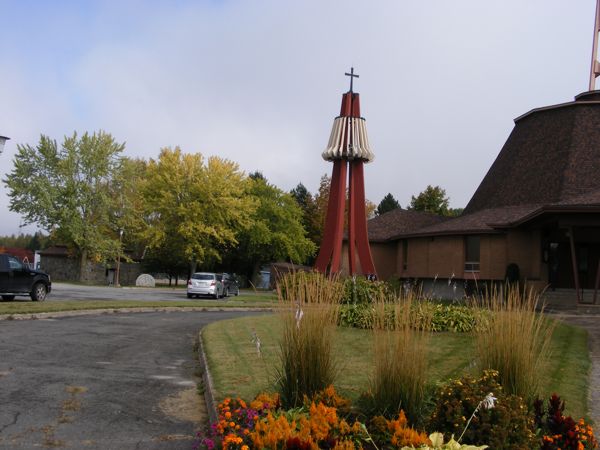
537,210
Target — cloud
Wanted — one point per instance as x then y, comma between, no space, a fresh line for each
259,82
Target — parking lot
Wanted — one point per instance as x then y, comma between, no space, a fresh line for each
66,291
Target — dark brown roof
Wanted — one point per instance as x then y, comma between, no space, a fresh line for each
56,250
551,156
484,221
400,221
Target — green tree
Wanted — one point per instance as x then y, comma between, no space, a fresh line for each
195,208
128,222
310,215
432,199
277,232
389,203
66,190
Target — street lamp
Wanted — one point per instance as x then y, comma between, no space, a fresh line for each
3,140
118,271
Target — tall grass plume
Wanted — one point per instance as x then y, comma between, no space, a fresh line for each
308,307
399,380
516,342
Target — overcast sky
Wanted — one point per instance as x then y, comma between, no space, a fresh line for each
260,82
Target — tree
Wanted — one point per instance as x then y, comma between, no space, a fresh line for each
432,199
389,203
195,208
277,232
310,215
67,191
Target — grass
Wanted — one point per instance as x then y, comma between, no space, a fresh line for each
237,370
394,383
22,306
516,341
308,310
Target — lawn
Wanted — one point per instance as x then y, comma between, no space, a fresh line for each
237,370
255,300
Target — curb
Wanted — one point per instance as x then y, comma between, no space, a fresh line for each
209,390
91,312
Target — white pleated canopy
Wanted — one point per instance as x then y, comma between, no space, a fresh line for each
348,140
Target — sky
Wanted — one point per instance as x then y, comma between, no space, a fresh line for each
259,82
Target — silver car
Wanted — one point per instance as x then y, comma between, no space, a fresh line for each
204,283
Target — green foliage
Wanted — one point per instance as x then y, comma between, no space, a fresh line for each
195,208
37,241
360,291
508,425
388,203
357,316
276,232
69,190
438,317
310,214
432,199
453,318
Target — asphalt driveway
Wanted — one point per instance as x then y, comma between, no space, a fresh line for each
119,381
66,291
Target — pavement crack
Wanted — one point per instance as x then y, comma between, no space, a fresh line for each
14,422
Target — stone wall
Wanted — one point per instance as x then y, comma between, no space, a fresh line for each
61,268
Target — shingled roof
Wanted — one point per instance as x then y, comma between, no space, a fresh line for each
400,221
550,163
551,156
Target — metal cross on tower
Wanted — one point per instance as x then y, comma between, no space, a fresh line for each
352,76
348,150
595,67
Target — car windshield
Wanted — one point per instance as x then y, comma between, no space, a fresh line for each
203,276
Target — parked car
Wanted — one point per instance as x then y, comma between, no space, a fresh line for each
17,278
230,284
204,283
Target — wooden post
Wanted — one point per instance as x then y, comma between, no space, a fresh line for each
597,283
574,263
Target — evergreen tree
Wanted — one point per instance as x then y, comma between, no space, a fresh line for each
389,203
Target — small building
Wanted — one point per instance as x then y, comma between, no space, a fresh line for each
62,265
536,213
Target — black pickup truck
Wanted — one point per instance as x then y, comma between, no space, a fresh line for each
18,279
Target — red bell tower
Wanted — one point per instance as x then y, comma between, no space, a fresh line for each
348,149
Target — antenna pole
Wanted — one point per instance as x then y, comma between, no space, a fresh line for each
595,67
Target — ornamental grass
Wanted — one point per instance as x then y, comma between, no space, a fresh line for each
308,308
399,377
516,342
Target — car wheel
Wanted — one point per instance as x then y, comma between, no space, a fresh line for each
189,296
38,293
8,297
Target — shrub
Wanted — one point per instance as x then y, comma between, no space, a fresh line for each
439,317
516,341
357,316
453,318
360,291
506,426
400,361
309,310
559,431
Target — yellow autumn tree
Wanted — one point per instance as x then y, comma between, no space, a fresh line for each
195,207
